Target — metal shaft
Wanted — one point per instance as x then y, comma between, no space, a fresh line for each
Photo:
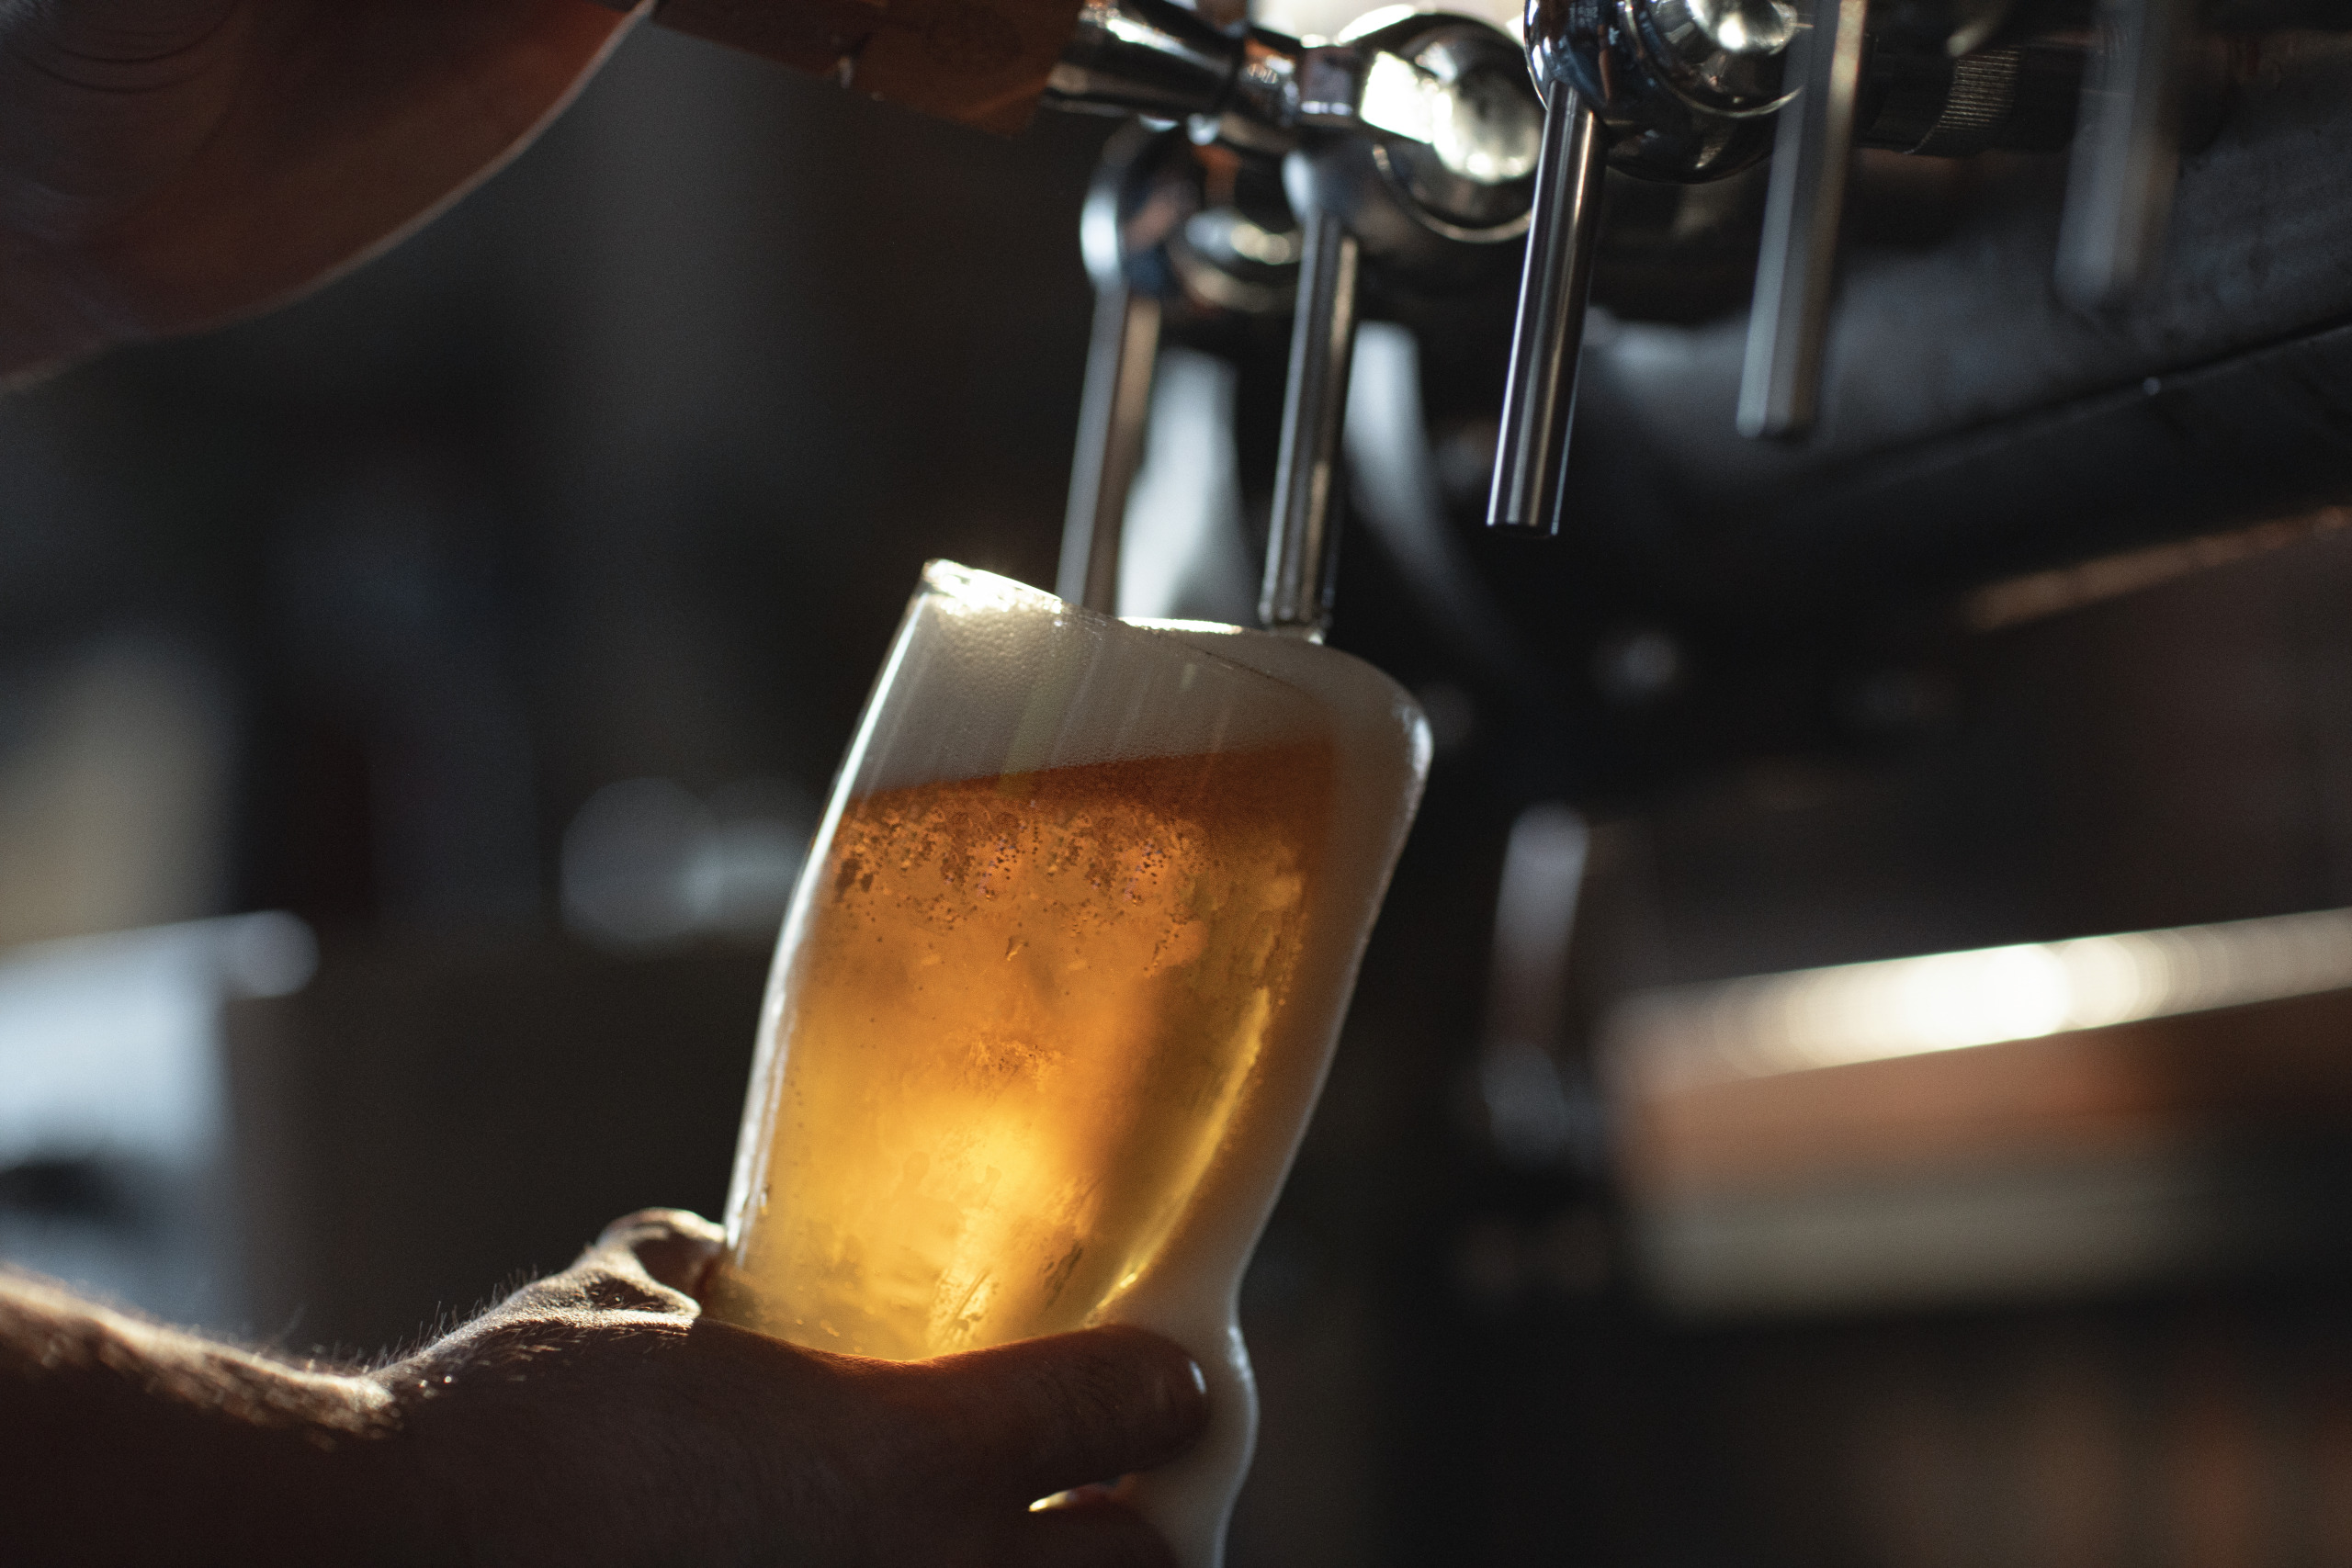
1111,415
2127,153
1780,386
1303,542
1151,57
1539,396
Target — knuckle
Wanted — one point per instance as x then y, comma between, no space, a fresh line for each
669,1250
659,1224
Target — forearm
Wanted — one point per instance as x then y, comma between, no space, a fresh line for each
124,1442
592,1420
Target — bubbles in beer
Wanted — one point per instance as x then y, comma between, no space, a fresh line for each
1015,1027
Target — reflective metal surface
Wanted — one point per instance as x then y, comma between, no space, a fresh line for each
2119,190
1168,240
1779,391
1725,54
1463,127
1675,104
1301,546
1120,361
1422,139
1148,57
1540,397
1976,426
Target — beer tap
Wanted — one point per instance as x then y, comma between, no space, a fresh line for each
2156,83
1303,535
1121,358
1411,147
1691,90
1420,140
2127,153
1170,245
1539,390
1162,61
1678,90
1971,104
1780,386
1665,89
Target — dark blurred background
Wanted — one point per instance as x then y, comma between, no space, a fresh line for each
492,622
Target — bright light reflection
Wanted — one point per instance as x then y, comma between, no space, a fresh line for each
1903,1006
1490,138
1400,98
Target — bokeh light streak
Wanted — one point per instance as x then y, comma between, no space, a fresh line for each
1662,1041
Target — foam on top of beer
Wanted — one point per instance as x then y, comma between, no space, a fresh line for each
1041,684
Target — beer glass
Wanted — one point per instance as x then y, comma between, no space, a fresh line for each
1057,991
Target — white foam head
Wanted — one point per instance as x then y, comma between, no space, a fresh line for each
989,676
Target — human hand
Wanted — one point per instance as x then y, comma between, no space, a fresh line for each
595,1417
167,164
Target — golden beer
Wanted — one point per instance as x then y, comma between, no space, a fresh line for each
1058,991
1017,1025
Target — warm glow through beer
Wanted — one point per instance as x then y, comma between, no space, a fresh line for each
1018,1014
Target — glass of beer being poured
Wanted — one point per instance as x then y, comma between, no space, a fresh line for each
1058,988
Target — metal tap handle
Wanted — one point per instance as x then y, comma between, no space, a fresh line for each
1539,396
1150,57
1111,415
1780,387
2127,153
1303,541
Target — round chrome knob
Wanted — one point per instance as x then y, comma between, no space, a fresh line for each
1433,167
1685,89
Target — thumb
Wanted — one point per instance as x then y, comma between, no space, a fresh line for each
673,1246
1044,1416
